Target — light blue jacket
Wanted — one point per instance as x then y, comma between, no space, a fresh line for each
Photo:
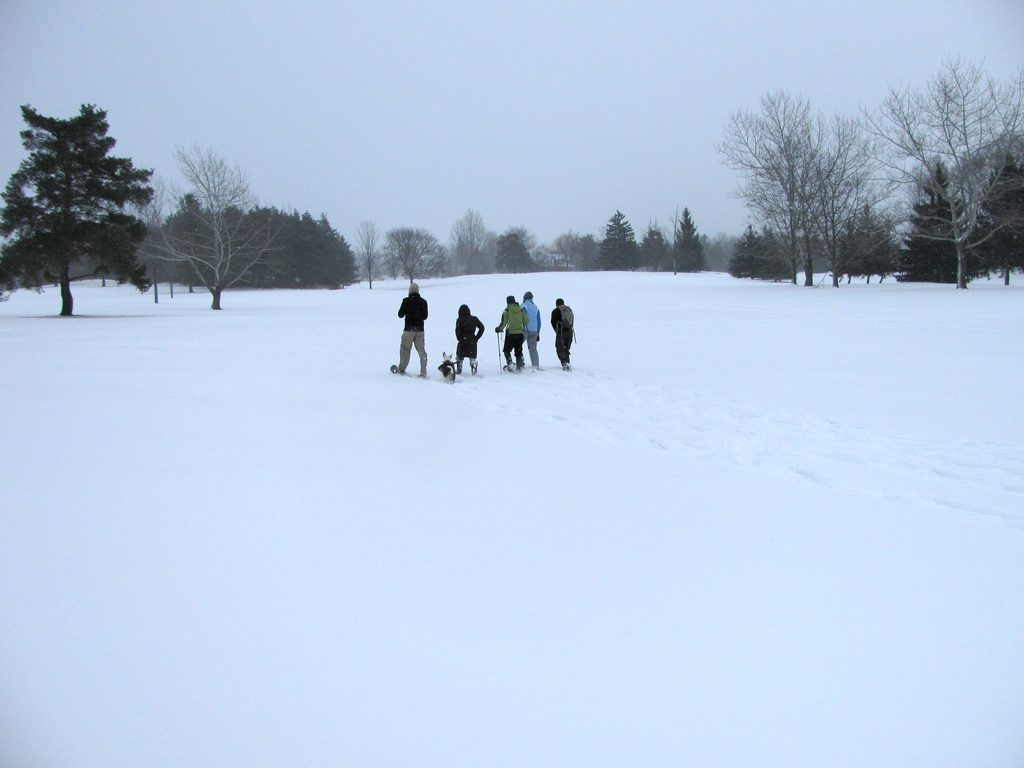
532,316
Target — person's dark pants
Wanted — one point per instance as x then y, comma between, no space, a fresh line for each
563,340
514,343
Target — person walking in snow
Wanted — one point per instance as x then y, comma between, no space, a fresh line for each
414,310
468,330
514,319
532,328
562,323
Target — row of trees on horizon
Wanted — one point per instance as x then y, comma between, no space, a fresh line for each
928,184
929,188
473,249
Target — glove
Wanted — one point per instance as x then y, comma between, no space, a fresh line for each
497,330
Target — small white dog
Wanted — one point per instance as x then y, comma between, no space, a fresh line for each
447,368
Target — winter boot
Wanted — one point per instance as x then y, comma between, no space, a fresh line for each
472,365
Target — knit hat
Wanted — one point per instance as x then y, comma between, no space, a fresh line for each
510,299
413,288
559,302
528,296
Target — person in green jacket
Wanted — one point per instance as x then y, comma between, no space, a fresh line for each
514,319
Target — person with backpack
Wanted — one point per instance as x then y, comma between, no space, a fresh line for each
532,328
468,330
514,319
414,310
562,323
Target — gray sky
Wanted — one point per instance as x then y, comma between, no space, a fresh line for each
549,115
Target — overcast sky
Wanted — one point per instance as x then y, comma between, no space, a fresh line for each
549,115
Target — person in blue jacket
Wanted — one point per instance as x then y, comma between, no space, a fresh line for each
532,328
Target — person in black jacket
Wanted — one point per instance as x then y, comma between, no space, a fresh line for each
468,330
562,322
414,310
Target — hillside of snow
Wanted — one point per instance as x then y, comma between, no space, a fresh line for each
758,525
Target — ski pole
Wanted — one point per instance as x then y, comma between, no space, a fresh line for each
500,368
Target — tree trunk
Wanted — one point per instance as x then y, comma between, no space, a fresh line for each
67,301
835,280
216,297
1006,276
961,265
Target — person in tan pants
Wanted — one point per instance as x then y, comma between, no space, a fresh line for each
414,310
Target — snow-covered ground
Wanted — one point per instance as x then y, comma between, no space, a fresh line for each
758,525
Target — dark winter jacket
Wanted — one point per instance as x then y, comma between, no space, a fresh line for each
468,329
557,315
556,318
414,310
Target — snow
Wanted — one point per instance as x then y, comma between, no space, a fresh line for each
758,525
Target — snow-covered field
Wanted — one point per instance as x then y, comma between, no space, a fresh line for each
758,526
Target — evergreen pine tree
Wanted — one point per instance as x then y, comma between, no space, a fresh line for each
65,207
589,254
619,248
744,261
866,246
929,256
513,251
655,253
1003,250
758,255
689,248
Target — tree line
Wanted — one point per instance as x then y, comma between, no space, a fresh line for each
474,250
927,187
218,236
73,211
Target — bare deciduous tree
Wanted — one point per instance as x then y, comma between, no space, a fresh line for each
567,248
472,245
413,252
366,248
776,152
215,229
843,185
964,125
